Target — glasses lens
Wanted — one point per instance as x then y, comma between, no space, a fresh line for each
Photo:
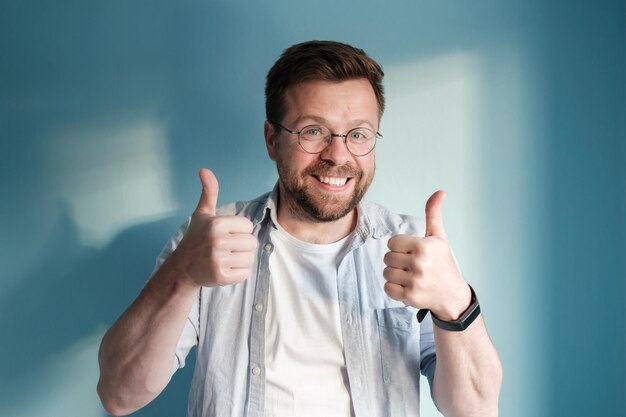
314,139
361,141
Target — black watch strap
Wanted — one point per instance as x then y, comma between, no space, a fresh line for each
462,323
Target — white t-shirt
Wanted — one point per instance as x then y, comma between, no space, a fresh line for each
305,366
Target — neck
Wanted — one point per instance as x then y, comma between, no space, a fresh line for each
315,231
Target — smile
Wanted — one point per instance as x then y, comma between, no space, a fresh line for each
334,181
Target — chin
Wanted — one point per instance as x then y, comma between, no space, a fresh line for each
327,211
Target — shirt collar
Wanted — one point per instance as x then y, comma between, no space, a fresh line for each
370,221
268,204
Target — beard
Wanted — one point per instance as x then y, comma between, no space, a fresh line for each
307,202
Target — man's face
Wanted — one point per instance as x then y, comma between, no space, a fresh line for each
325,186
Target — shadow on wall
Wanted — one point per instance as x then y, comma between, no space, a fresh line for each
56,314
74,69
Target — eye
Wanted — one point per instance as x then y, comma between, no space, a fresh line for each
360,135
313,132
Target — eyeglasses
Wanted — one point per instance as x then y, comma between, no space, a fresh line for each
315,138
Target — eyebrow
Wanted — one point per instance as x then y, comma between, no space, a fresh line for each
323,121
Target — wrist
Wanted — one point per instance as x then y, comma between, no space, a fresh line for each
175,270
456,306
464,321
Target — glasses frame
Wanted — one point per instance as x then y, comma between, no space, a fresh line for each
377,136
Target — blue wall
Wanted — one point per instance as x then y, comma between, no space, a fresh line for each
586,190
107,110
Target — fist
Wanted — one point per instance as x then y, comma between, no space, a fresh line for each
421,271
216,250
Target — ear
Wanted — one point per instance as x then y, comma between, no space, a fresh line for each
270,132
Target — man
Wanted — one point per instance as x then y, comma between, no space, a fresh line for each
303,302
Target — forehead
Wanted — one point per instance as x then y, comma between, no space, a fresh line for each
336,102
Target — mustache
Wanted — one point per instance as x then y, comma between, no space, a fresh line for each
326,169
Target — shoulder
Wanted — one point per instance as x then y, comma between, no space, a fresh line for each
385,221
248,208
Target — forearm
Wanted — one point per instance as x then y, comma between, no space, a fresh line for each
137,353
468,375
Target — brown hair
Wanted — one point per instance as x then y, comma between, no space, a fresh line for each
319,61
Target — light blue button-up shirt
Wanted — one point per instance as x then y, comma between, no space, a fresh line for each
385,348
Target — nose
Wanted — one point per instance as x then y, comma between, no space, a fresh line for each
336,151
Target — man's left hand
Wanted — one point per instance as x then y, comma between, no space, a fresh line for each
421,271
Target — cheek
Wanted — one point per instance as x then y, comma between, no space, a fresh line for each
368,166
291,163
298,161
287,151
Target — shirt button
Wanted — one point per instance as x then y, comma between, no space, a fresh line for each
268,247
258,307
256,371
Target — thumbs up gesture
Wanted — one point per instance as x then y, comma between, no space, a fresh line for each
216,250
421,271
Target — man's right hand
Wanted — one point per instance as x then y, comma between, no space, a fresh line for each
216,250
137,352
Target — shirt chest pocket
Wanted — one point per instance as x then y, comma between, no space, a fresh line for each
399,335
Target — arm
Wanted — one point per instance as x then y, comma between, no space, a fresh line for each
422,273
137,353
468,374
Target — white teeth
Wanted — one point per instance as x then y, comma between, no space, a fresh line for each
338,182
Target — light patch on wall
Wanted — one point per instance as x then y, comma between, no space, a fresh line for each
430,141
66,382
110,176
